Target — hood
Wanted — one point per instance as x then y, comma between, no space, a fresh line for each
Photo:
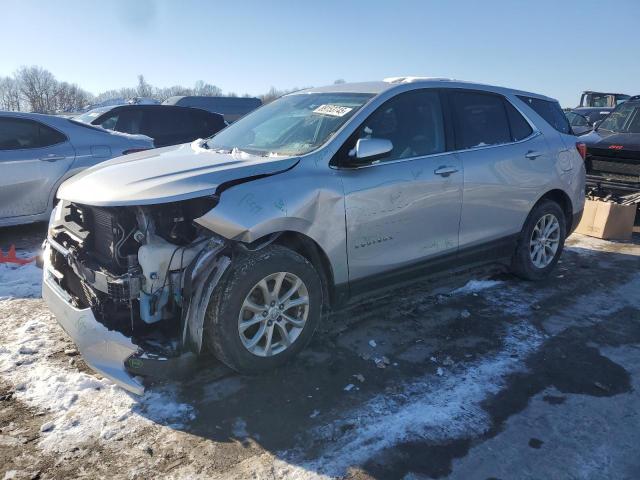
165,175
602,140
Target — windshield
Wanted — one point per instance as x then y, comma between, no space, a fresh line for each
91,115
292,125
597,100
624,119
576,120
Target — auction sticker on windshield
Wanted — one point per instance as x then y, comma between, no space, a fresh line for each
333,110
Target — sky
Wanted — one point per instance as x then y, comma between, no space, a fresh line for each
558,48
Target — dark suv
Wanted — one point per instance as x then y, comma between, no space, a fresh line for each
613,149
165,124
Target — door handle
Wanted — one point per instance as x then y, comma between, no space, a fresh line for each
445,171
532,155
52,157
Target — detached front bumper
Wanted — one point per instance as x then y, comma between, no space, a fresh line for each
104,350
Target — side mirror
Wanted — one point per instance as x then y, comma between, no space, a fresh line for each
371,148
596,124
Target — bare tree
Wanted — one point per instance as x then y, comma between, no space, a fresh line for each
144,89
274,93
177,90
121,93
38,87
9,94
271,95
71,98
206,89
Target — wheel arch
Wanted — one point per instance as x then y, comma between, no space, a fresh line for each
313,252
563,200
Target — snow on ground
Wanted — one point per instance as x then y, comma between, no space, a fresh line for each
590,244
83,408
28,353
436,409
20,281
474,286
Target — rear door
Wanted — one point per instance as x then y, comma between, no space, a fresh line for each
506,163
405,208
561,140
33,157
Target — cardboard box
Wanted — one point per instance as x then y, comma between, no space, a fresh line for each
607,220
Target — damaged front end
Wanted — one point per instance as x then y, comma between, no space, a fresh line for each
131,284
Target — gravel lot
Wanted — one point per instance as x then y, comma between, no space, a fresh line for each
497,378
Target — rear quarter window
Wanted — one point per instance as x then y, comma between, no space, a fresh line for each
520,128
550,111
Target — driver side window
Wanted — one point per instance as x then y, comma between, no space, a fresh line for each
411,121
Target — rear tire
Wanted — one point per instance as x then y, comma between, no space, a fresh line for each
249,324
540,242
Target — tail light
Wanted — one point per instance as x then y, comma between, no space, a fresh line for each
134,150
582,149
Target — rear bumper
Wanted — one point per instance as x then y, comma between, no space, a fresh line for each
104,350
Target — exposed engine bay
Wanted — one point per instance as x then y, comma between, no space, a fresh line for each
129,264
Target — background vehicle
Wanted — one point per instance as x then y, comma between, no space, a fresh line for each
166,125
583,119
613,149
232,108
237,245
38,152
601,99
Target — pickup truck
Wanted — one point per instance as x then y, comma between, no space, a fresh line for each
613,149
602,99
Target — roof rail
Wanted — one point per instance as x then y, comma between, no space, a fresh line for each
415,79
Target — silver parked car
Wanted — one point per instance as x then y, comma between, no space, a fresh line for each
237,244
38,152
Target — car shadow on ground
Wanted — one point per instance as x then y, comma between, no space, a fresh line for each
363,359
26,238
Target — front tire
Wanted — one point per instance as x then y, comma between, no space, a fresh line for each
540,242
265,310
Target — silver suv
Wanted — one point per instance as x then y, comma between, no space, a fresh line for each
237,244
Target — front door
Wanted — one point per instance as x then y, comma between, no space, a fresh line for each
404,208
33,157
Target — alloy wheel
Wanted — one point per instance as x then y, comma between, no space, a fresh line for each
273,314
545,241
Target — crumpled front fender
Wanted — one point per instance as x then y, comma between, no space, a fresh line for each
202,277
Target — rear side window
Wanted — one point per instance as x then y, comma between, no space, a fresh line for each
21,134
110,122
174,121
550,111
480,119
128,120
